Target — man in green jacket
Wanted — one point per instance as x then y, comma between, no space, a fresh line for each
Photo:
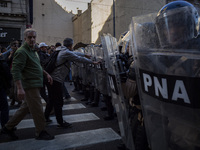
28,76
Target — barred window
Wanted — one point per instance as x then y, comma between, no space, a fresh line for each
3,4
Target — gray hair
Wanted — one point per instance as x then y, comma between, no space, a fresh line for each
29,30
68,42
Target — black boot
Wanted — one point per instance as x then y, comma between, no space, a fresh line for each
96,98
110,108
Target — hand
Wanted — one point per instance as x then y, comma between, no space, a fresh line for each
12,52
50,79
88,56
20,94
96,62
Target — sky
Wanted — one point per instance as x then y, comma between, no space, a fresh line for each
74,5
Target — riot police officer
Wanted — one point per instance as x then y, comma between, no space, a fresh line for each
168,77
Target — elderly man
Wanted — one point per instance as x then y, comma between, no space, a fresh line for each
28,76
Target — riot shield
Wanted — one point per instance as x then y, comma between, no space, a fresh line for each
91,67
87,71
81,75
101,73
168,82
125,40
97,55
111,52
75,67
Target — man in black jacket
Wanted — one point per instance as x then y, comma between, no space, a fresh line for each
43,56
43,52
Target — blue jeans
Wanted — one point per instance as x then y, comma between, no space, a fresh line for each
65,91
70,75
4,110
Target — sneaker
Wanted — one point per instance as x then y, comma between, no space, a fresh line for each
103,108
64,125
106,118
66,97
48,121
94,104
44,135
12,103
10,133
84,99
75,90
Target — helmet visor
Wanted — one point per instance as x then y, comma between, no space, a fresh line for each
176,26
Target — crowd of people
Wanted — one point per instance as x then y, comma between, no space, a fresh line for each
29,80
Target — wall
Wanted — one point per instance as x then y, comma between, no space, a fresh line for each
82,26
52,22
102,17
125,10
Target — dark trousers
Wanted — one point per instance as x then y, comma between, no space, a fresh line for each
43,91
86,92
97,96
91,98
55,101
108,102
65,92
4,110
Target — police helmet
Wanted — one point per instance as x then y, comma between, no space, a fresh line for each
176,23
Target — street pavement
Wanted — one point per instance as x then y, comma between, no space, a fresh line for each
89,130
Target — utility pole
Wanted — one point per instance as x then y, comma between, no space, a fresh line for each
113,18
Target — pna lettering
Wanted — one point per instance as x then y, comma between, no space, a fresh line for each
179,90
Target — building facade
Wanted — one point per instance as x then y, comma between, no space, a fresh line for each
51,21
15,16
110,16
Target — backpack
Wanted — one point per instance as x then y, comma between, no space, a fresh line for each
5,75
50,63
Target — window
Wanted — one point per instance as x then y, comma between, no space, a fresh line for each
3,4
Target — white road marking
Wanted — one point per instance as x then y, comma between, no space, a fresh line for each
65,107
64,141
43,101
28,123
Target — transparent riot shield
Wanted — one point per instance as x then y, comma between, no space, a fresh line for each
101,73
125,41
75,67
92,66
111,52
87,67
81,75
79,67
168,83
97,54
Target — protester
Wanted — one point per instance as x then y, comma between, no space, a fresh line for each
28,76
6,51
59,74
43,57
13,90
51,49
